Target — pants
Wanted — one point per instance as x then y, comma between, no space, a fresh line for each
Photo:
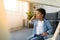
37,37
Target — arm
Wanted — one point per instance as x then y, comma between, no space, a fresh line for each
49,28
49,31
31,21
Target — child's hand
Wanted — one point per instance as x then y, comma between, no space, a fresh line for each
44,34
33,18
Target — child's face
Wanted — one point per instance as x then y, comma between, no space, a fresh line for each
39,15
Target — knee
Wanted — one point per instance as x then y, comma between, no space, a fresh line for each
34,39
28,39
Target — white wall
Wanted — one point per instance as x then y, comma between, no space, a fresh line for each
14,19
15,13
4,29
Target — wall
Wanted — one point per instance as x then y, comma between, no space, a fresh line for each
15,20
15,14
4,29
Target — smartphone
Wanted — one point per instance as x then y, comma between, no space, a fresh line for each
35,15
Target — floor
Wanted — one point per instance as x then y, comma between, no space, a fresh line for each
23,34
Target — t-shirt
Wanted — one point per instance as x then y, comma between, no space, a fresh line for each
40,28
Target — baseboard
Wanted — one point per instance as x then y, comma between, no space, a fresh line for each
15,29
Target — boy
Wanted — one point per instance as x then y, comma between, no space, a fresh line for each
42,27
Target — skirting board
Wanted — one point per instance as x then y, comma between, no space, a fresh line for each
15,29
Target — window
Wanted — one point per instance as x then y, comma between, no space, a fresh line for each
10,5
20,6
23,8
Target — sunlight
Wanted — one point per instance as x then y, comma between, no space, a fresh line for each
10,5
24,7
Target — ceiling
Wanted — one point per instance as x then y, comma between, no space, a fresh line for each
46,2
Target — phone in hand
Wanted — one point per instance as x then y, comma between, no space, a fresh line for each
35,15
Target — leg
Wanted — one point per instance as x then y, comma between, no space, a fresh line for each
29,38
38,38
35,38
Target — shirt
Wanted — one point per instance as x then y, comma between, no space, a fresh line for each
40,28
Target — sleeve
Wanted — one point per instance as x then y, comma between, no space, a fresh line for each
50,30
31,22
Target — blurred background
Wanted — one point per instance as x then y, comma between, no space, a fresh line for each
15,14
